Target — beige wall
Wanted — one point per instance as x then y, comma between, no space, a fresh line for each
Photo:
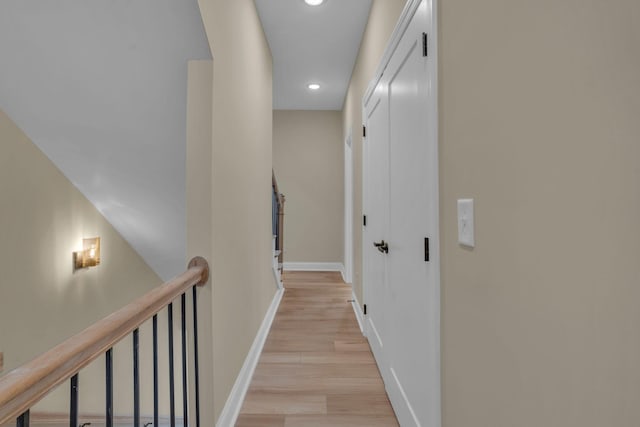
199,218
539,123
382,20
308,159
243,282
43,219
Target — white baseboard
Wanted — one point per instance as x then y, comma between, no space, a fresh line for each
357,309
407,411
232,408
314,266
277,278
344,275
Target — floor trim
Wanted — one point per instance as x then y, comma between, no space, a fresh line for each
232,408
314,266
277,277
357,309
343,273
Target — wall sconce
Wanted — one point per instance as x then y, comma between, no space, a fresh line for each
89,256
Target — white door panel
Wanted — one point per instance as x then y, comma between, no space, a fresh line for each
405,311
413,188
376,196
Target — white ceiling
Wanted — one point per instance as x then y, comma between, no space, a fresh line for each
312,44
100,87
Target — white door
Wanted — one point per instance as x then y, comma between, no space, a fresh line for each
410,356
376,195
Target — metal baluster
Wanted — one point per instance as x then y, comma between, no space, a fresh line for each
73,410
136,379
185,385
109,388
195,356
155,371
23,420
172,403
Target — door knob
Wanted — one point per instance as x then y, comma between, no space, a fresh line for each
382,246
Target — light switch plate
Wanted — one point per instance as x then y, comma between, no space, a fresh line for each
466,232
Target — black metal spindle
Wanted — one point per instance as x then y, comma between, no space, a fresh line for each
195,356
23,420
136,379
73,410
185,385
109,388
172,402
155,371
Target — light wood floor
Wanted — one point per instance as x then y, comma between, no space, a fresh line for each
316,368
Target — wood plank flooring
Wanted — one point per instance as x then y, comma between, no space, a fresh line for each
316,368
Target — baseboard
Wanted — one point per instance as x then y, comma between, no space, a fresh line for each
277,278
407,411
232,408
314,266
357,309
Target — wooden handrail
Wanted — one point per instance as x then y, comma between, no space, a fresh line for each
23,387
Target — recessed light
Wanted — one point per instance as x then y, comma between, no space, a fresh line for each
314,2
314,86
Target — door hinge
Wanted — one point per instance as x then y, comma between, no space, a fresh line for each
364,131
365,309
425,44
426,249
364,220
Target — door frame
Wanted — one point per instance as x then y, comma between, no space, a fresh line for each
399,31
348,208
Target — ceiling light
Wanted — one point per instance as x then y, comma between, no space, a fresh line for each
314,2
314,86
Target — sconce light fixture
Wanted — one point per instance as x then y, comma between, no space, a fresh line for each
89,256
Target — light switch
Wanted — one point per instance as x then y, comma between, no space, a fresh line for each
465,223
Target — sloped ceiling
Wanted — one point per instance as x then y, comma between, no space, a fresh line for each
100,87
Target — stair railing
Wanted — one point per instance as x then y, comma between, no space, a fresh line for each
25,386
278,220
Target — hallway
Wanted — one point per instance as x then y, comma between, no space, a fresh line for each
316,368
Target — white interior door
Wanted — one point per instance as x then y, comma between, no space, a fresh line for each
376,196
413,201
408,353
